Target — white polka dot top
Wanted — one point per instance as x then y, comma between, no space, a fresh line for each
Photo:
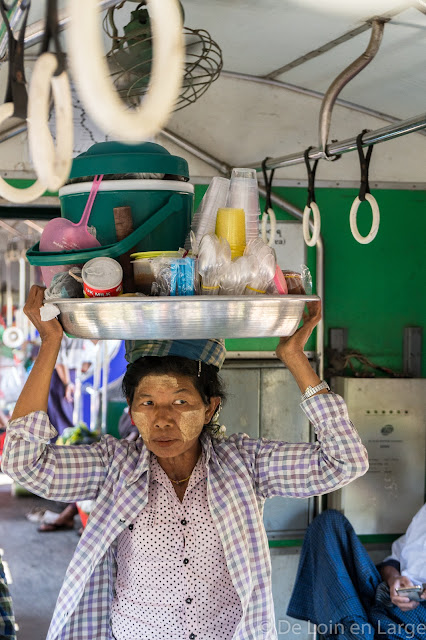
172,579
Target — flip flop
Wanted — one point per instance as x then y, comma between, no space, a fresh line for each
46,527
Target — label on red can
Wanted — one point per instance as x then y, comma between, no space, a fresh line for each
102,278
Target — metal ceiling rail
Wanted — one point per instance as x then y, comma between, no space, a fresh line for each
225,169
417,123
318,52
35,32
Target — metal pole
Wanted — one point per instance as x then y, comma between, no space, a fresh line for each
225,169
14,17
345,146
35,31
297,213
342,80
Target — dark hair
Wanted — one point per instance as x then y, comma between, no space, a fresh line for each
208,383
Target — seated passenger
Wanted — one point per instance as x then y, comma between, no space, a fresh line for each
339,589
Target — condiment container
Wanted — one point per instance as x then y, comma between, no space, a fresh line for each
102,278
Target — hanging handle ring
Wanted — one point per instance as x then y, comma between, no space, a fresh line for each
311,205
311,241
51,164
92,77
364,194
375,223
269,213
7,191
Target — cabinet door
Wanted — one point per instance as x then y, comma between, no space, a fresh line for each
241,411
281,418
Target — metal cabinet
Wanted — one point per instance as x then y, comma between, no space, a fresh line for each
390,415
264,402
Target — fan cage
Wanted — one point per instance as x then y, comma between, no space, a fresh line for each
130,59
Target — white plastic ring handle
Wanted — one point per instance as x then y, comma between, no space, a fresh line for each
374,225
311,241
92,76
51,165
13,337
19,196
269,213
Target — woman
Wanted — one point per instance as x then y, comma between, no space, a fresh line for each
175,545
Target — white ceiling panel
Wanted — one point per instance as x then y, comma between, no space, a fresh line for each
259,36
394,82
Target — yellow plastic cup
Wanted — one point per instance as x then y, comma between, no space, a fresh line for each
231,225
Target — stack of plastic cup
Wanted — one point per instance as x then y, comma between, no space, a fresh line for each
204,220
244,194
230,225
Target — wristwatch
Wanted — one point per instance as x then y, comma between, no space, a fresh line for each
311,391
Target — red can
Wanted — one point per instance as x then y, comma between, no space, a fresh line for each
102,278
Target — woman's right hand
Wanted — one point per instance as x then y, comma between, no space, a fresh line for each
49,330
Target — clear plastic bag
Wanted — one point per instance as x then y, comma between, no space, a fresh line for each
67,284
237,275
266,266
174,277
214,257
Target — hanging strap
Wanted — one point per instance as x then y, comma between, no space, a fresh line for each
269,211
16,91
364,160
51,33
268,184
311,177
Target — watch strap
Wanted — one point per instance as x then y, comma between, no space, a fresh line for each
311,391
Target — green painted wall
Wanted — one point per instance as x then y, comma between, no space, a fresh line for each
374,290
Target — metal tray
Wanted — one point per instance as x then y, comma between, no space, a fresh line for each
188,318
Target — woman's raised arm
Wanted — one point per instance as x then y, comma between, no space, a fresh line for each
35,393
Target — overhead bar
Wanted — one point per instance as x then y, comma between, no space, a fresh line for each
384,134
35,32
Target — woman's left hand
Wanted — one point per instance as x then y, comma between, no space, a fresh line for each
295,344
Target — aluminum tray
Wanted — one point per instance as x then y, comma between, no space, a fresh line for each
184,317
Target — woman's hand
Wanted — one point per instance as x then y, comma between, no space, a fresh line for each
51,329
289,346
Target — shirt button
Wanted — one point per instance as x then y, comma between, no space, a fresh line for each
183,521
130,527
188,600
192,636
186,562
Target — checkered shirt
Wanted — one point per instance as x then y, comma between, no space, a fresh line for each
241,473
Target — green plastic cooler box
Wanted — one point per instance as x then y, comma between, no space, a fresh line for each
161,208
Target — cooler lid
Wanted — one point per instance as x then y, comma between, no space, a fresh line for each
117,157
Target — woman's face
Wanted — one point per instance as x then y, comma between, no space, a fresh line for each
170,413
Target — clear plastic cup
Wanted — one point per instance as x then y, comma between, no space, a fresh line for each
204,220
244,194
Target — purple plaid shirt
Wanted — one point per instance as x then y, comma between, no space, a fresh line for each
241,473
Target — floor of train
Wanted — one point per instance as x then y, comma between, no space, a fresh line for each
35,562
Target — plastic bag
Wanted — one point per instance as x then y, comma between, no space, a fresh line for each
65,285
214,257
266,266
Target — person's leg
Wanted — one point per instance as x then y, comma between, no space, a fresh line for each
65,520
336,579
59,410
7,619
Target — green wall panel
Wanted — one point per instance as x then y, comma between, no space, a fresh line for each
374,290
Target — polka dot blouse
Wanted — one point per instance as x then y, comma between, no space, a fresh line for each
172,580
